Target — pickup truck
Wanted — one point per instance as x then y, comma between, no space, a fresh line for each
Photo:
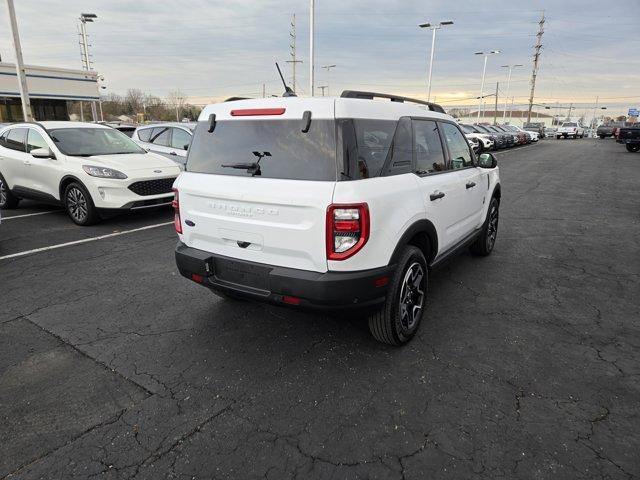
605,130
630,137
570,129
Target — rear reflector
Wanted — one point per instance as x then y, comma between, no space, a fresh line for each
196,278
381,281
251,112
177,223
291,300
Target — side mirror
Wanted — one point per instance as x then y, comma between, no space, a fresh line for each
186,147
487,160
42,153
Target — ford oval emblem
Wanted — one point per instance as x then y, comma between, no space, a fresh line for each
157,171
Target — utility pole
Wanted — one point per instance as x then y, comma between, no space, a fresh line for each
495,109
264,90
84,18
536,60
322,87
311,50
593,120
292,51
569,114
20,70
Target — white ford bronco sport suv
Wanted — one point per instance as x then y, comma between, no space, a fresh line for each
90,169
332,203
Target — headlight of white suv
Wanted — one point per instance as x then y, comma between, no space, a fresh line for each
103,172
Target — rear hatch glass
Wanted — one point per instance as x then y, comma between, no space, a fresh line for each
278,147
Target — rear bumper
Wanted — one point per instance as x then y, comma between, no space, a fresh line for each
284,286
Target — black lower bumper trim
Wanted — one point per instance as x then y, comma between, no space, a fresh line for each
273,283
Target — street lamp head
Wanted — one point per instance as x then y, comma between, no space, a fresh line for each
87,17
424,25
448,22
479,53
494,51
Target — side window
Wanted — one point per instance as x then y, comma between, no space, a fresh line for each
161,136
428,147
16,139
180,138
402,149
144,134
458,146
35,140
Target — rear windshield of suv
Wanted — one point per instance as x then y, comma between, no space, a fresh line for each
279,147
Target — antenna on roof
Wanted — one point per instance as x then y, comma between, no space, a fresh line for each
288,92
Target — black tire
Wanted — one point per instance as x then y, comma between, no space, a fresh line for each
393,324
79,205
633,148
7,199
485,242
601,136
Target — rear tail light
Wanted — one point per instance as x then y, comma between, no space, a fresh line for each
176,206
347,230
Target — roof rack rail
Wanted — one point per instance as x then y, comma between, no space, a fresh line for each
235,99
394,98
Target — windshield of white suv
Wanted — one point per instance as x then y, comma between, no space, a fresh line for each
87,142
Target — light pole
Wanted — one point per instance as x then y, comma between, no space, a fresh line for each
506,99
311,50
433,28
328,67
20,70
484,71
84,19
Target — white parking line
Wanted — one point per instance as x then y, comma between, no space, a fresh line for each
30,214
84,240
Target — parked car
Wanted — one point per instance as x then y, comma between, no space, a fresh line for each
570,129
474,142
168,139
510,139
521,138
537,127
531,136
630,137
90,169
303,202
499,140
550,131
485,140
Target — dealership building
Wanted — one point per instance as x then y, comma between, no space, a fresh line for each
50,90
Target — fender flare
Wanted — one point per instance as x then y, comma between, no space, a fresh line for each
420,226
64,180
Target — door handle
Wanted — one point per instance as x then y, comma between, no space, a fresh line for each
436,195
173,153
471,184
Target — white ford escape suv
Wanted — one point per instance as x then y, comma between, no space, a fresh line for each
90,169
332,202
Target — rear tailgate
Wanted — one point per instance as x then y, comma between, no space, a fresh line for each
270,221
258,185
629,133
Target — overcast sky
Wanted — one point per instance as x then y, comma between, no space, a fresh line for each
210,49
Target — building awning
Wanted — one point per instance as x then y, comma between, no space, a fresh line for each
50,83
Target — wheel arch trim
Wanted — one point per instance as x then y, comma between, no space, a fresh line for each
421,226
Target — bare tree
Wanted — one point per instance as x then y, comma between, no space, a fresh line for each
176,99
134,101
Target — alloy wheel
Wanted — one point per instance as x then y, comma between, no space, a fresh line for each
412,296
77,204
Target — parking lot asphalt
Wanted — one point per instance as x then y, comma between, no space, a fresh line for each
114,366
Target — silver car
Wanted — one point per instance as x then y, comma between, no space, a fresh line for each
169,139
